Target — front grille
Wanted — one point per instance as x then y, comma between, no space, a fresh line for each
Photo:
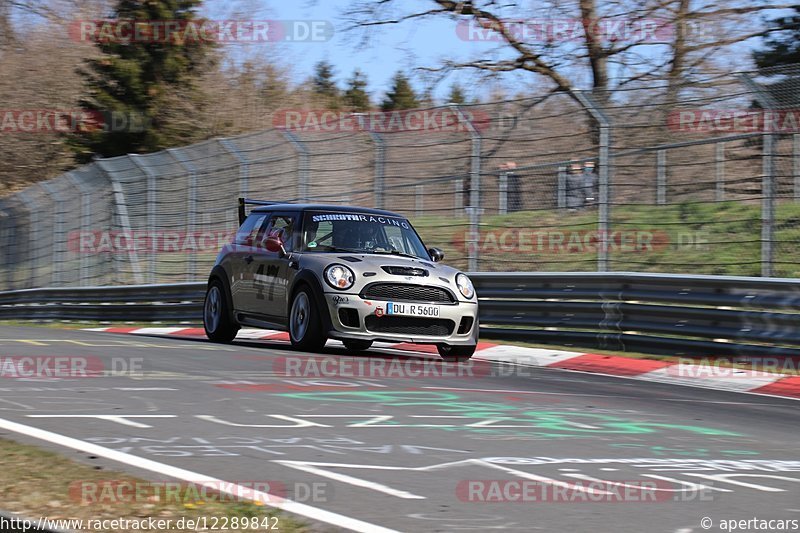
405,325
407,293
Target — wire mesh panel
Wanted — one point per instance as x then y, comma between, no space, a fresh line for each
687,176
65,201
268,165
89,228
339,167
202,198
536,213
10,219
38,243
427,174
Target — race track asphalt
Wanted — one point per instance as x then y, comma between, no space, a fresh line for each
414,452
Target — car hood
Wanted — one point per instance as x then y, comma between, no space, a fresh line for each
371,268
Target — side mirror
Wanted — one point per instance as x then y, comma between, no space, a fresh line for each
274,244
437,254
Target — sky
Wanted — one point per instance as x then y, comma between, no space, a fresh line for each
404,46
389,49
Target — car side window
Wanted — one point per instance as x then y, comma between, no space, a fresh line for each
282,226
246,236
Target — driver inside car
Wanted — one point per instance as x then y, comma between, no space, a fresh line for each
357,236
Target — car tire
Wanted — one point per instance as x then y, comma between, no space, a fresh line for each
455,354
356,345
216,316
305,322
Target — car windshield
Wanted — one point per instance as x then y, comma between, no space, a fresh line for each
327,231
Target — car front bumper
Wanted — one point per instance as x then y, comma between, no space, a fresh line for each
370,323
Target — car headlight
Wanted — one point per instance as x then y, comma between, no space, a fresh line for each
339,277
465,286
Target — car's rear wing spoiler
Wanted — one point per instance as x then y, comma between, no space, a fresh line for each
243,202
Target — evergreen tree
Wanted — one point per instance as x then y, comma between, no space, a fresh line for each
324,85
456,95
356,97
783,48
401,95
147,85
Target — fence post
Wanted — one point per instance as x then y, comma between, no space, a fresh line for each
458,194
419,200
86,223
379,185
502,200
9,240
380,170
59,241
603,212
768,206
561,188
661,177
767,182
151,210
5,246
796,165
302,165
191,214
474,211
34,237
244,166
121,208
720,171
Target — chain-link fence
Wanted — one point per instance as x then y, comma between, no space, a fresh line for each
699,178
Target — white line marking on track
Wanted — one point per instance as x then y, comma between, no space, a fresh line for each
119,419
289,506
356,482
144,388
507,391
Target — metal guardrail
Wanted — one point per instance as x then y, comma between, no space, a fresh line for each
179,301
653,313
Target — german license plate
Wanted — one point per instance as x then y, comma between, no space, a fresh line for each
425,311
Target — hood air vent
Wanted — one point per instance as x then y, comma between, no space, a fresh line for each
405,271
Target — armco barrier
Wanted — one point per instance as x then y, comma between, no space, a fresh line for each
654,313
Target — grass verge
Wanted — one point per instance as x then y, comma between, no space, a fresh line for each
37,483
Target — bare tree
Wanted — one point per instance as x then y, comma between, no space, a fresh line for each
661,39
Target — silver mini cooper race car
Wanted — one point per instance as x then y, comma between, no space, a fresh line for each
350,273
